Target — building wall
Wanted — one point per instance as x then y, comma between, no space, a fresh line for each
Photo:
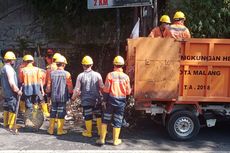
19,27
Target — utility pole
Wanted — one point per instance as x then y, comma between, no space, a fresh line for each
118,31
95,4
155,15
144,13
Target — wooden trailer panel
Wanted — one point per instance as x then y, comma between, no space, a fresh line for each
156,67
205,70
193,70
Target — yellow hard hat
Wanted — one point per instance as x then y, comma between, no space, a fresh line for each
28,58
56,55
61,59
25,57
65,60
87,60
179,15
118,60
9,56
165,19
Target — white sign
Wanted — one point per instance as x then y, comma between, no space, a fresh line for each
102,4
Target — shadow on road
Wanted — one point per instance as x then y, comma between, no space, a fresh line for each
148,133
145,136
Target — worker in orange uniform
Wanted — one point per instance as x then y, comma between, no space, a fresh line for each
31,78
160,30
22,105
117,87
23,64
88,86
42,99
50,68
178,30
49,57
53,65
60,88
10,90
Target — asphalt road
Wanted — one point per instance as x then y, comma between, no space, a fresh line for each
146,136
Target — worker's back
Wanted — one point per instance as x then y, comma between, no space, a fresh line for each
59,88
117,85
30,76
177,31
90,86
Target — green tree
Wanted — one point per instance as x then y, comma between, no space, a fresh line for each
62,17
205,18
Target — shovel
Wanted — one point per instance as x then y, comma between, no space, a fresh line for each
15,130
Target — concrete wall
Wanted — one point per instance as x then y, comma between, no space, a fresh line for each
19,27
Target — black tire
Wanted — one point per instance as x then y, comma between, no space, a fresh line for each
186,119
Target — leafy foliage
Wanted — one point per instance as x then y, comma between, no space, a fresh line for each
62,17
205,18
90,32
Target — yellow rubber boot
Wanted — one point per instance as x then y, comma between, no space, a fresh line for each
45,109
5,118
51,126
98,126
60,130
12,127
88,131
9,117
116,133
12,118
22,106
101,141
36,107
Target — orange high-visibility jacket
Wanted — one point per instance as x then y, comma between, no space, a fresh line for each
157,32
117,84
177,31
31,78
49,69
22,65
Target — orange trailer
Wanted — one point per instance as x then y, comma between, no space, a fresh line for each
185,83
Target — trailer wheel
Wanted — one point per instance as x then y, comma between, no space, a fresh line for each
183,125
